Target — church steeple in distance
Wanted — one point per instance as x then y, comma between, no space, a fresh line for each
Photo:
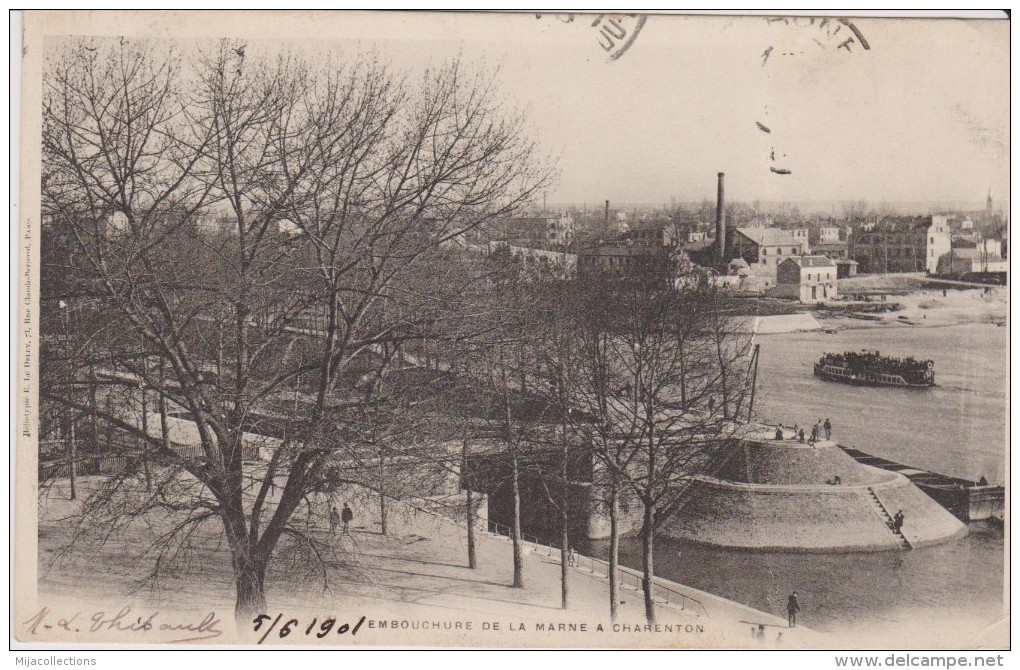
988,201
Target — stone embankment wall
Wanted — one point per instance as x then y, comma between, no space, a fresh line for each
781,518
773,496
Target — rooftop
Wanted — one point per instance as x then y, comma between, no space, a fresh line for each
965,254
767,236
812,261
618,249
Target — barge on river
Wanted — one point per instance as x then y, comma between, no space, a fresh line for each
867,368
967,500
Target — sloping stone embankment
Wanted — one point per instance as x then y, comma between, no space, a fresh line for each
773,496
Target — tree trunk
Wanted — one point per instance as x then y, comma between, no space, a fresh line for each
382,495
71,458
94,409
249,578
516,530
145,441
564,521
164,428
614,553
564,568
472,557
648,561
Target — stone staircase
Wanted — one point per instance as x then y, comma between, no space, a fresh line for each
887,519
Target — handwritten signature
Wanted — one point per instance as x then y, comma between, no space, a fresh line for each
148,623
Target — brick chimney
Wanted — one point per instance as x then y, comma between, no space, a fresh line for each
720,220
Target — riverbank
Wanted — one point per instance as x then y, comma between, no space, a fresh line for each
924,307
909,305
415,579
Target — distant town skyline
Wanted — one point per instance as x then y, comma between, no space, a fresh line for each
809,207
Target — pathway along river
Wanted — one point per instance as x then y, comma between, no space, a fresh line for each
957,428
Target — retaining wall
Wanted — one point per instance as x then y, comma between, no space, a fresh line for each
807,518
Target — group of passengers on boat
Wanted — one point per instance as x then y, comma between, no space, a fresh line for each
866,361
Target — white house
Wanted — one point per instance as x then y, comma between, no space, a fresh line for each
764,245
802,236
810,279
939,242
828,234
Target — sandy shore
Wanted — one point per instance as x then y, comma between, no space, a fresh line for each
929,308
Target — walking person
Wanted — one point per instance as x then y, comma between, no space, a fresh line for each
897,521
792,607
334,520
347,516
828,429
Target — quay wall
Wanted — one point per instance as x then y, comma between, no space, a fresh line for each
808,518
780,518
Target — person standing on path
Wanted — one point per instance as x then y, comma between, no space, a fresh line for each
792,607
347,516
334,520
828,429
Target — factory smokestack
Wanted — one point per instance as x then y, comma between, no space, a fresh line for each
605,222
720,219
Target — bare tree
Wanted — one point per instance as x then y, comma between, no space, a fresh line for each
856,211
660,360
257,223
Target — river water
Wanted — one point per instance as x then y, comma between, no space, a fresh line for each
957,428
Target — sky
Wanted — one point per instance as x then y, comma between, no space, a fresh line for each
921,116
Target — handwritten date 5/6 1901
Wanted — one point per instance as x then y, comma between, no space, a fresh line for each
284,627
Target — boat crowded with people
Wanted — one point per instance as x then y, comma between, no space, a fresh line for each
867,368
